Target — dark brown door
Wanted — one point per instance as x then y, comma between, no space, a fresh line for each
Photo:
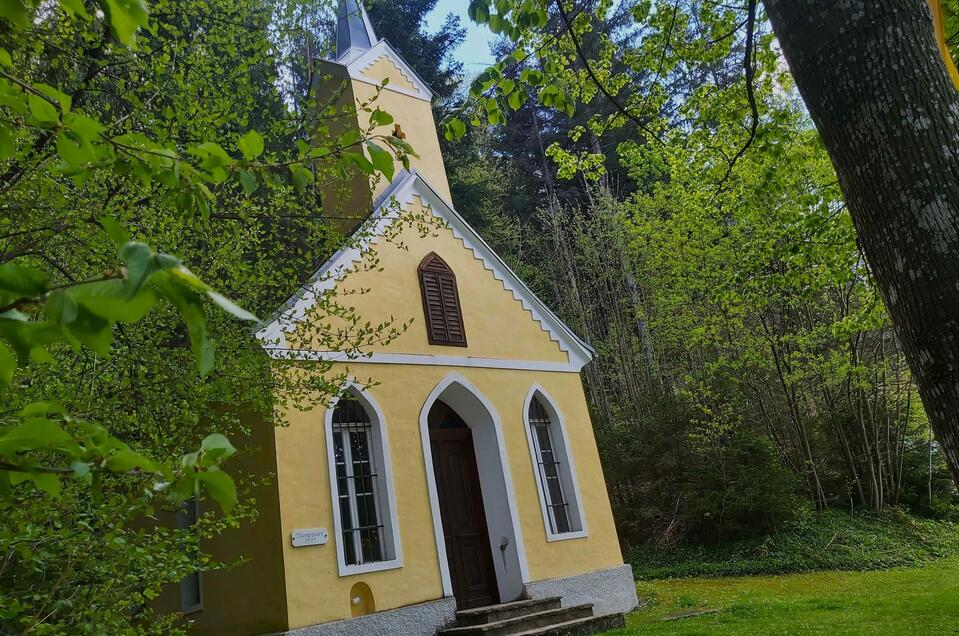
464,521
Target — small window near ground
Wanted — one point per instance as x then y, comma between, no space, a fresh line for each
364,522
554,473
191,587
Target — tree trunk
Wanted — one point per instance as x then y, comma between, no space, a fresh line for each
873,80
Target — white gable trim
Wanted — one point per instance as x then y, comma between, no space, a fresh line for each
421,359
358,66
272,335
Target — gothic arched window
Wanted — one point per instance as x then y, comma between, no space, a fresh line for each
441,302
364,514
553,465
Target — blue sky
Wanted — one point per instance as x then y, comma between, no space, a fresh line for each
474,52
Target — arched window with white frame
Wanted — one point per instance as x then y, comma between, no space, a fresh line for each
364,510
553,466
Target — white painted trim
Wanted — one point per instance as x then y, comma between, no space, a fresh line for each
390,87
357,70
432,490
445,383
381,437
557,419
340,264
422,359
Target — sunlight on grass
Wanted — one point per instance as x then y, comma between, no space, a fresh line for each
902,601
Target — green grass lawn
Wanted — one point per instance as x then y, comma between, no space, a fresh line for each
921,601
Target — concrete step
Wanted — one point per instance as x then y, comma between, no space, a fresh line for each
528,623
503,611
580,626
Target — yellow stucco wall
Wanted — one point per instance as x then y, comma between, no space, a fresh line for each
497,325
315,591
415,117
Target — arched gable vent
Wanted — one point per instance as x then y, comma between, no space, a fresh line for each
441,302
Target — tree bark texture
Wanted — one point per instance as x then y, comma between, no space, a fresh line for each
872,77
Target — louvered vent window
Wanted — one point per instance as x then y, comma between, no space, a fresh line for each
441,303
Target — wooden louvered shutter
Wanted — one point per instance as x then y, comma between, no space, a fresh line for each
441,303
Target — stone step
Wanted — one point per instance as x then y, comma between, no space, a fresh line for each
580,626
503,611
528,623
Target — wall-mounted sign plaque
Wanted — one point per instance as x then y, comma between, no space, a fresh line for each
309,536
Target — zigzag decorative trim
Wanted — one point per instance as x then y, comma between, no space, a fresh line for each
343,262
488,266
389,58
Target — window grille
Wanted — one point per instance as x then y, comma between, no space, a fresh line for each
549,468
357,484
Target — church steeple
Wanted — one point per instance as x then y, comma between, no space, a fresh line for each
369,75
354,33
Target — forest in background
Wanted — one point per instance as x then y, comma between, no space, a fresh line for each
747,372
746,368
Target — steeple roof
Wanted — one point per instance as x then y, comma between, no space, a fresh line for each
354,33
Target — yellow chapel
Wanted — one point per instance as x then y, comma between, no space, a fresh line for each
459,493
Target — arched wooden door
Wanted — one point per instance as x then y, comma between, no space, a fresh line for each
461,509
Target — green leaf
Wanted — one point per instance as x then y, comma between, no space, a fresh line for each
7,145
75,7
215,449
515,100
251,145
15,11
301,177
190,305
57,96
17,281
43,407
381,118
76,156
8,364
34,434
230,307
43,111
454,129
114,230
47,482
220,486
139,259
125,460
80,469
84,127
248,181
60,308
212,155
478,11
359,161
142,263
382,160
90,330
110,300
125,17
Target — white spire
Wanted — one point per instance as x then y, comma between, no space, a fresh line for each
354,33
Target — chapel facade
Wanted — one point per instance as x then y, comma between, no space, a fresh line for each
460,489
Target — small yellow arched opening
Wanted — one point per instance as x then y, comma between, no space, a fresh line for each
361,600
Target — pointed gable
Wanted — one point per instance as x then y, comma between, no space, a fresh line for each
505,324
